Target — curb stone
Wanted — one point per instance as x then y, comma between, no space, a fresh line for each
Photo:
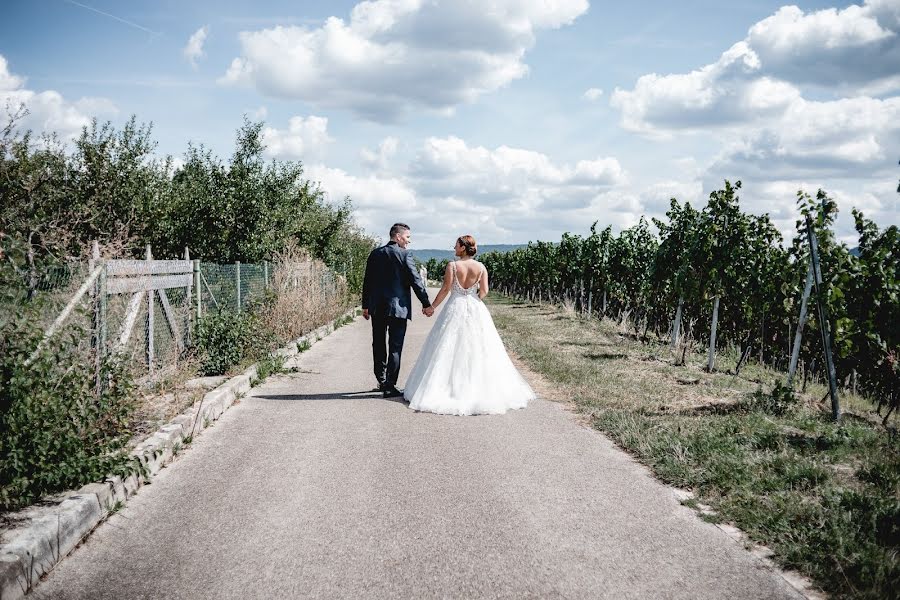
39,546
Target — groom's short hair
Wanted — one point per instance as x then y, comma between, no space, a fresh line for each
398,228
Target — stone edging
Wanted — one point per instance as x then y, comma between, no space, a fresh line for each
49,537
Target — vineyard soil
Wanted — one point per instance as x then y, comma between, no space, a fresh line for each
824,497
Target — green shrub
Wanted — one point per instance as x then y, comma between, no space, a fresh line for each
58,431
226,339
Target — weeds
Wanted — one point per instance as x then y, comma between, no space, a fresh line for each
272,364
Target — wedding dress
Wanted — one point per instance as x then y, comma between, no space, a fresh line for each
463,368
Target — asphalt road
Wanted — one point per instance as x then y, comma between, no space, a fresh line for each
313,487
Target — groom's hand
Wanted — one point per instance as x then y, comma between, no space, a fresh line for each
428,311
366,314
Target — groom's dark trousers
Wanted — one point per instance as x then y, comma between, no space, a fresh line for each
390,275
387,358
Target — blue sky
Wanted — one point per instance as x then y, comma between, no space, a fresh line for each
509,120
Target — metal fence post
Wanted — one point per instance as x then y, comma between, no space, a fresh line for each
237,280
199,308
95,301
101,287
266,274
150,320
188,321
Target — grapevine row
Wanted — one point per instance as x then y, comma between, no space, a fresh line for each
720,259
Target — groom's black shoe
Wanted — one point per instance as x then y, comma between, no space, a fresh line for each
390,391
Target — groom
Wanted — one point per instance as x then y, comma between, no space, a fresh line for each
390,272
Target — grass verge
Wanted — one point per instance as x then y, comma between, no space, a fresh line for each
824,497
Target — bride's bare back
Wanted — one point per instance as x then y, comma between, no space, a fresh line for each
469,272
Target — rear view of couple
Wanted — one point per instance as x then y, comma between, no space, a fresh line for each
463,368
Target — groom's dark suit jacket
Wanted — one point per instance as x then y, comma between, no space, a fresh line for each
390,273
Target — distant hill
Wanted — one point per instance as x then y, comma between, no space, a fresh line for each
423,254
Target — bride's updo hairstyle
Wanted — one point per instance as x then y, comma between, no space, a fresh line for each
468,242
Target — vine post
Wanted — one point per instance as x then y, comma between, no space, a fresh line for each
711,360
823,320
676,325
801,323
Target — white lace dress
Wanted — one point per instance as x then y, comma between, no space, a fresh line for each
463,368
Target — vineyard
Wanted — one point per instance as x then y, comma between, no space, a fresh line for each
721,277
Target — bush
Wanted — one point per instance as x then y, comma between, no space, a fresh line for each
226,339
58,431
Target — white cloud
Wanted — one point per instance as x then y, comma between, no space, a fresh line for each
369,192
259,113
847,138
48,111
830,48
380,158
761,77
8,81
593,94
508,169
304,138
503,195
396,55
728,92
193,51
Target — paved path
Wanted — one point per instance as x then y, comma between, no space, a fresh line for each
311,487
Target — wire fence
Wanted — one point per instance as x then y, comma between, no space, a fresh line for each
147,312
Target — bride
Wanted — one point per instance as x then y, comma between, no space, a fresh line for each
463,368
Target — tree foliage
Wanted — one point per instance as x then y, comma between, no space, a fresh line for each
112,187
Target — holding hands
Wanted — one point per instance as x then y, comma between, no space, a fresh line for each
428,311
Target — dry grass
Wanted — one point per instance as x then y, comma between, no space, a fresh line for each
307,295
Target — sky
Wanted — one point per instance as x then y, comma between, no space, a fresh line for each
507,120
